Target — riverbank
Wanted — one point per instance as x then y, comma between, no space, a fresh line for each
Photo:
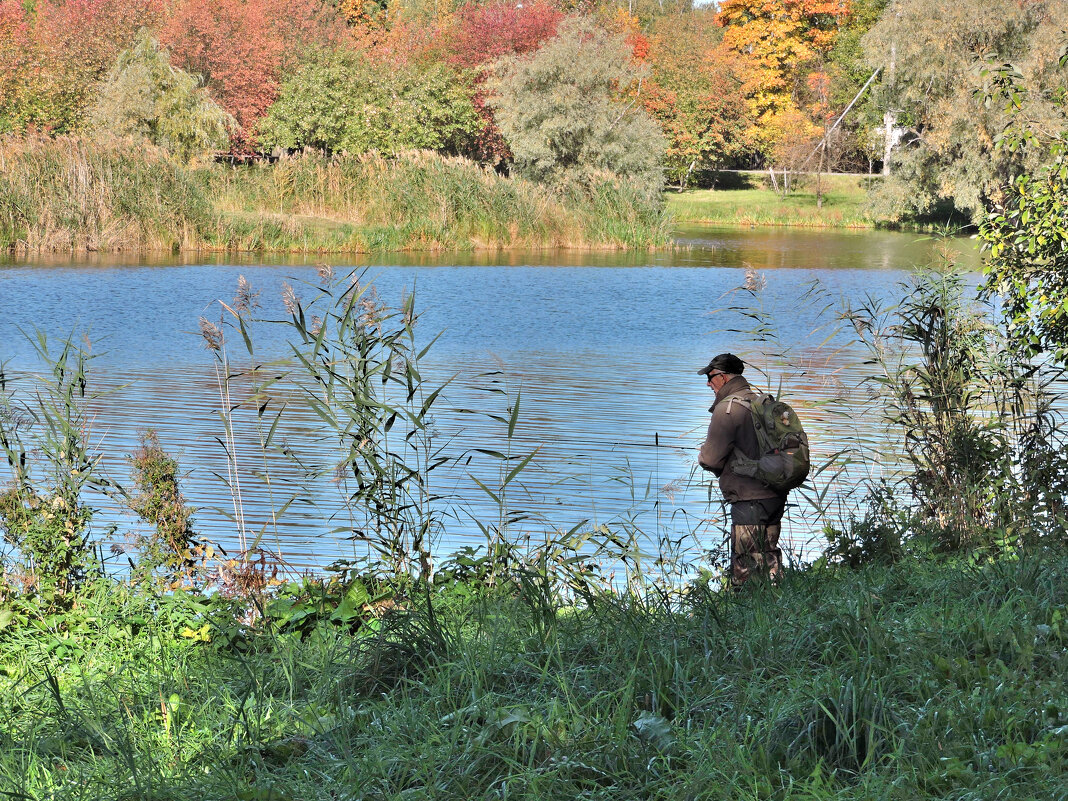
925,680
73,195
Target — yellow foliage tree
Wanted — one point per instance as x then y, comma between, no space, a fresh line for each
781,43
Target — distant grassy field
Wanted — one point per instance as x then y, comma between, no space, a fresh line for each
844,205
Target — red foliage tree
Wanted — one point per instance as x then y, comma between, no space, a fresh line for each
241,46
230,43
85,36
485,33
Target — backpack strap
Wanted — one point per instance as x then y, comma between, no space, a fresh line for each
746,402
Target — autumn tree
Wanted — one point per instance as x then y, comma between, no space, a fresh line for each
695,94
340,100
240,48
779,43
481,35
145,96
52,55
567,111
848,66
15,59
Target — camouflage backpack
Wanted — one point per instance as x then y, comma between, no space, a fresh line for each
784,459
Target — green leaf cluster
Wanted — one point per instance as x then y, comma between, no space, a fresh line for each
1028,267
339,100
145,96
570,110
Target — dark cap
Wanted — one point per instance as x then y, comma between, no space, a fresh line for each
724,363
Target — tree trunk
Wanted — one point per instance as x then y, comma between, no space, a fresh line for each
819,177
774,181
686,178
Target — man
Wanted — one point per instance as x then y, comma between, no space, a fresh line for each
756,509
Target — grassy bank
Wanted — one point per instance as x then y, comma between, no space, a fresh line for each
70,195
922,680
844,205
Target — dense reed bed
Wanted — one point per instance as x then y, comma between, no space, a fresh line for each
71,195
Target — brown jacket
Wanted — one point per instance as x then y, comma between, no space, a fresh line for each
732,427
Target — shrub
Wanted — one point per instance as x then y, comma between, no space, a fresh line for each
172,548
979,426
41,512
338,100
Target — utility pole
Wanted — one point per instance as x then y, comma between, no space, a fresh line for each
890,115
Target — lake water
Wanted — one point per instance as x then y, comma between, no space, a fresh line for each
602,347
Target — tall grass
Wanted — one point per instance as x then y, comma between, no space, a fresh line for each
921,681
70,194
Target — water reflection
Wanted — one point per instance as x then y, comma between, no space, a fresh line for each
602,347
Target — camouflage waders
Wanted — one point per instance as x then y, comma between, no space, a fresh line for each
755,529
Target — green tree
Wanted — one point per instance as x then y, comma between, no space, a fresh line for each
144,95
935,48
849,70
339,100
1026,233
570,110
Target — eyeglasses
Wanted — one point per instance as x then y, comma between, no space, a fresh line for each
710,376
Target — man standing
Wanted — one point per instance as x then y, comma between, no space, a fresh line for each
756,509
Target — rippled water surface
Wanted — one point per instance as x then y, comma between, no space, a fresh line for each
603,349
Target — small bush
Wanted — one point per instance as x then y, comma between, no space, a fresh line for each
172,548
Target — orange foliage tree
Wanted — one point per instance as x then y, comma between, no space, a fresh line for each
695,94
53,54
780,43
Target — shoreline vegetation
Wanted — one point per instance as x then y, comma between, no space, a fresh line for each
75,195
923,680
922,656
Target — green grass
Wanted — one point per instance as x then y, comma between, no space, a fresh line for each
923,680
844,205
